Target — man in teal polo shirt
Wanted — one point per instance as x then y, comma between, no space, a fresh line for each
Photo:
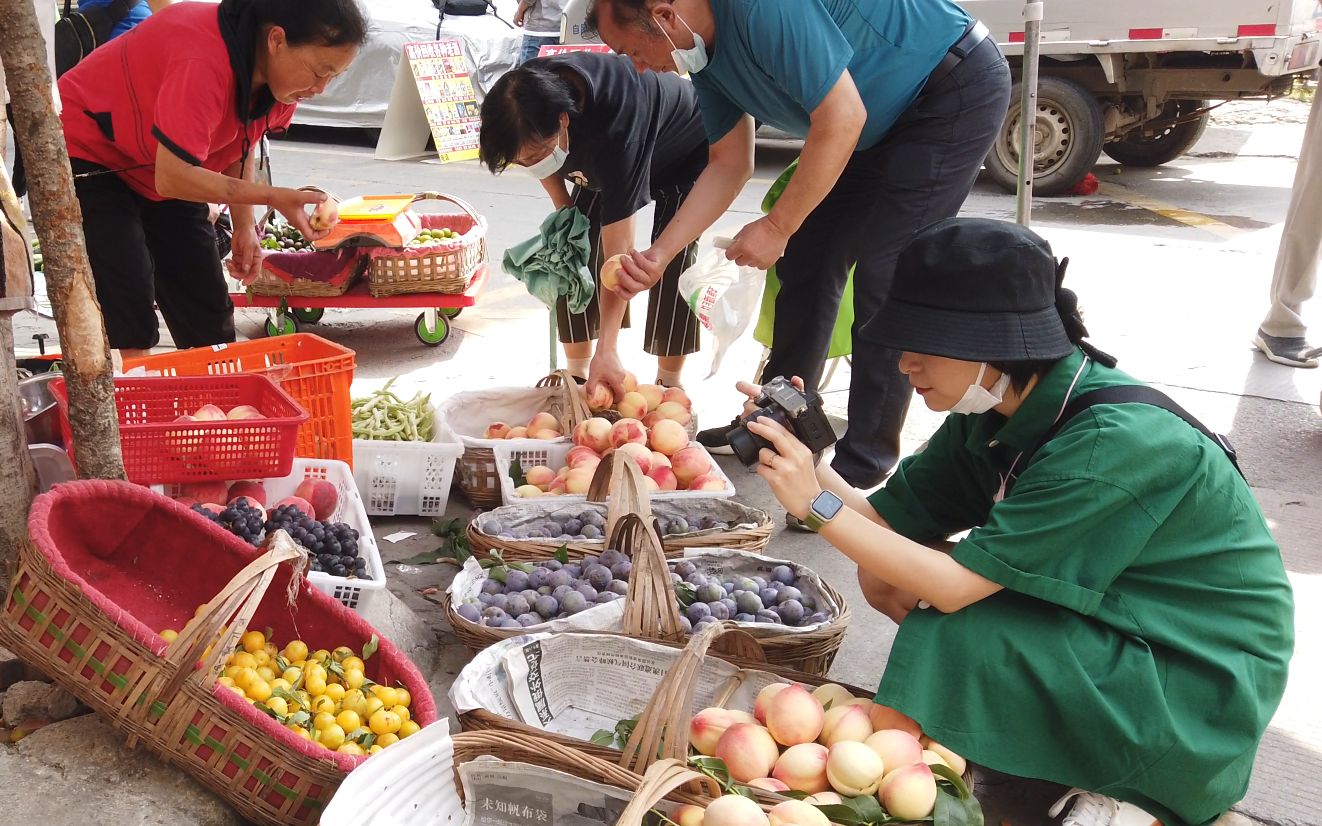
1118,617
898,102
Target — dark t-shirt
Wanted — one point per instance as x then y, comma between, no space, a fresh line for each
637,131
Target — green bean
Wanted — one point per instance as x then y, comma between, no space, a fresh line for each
384,416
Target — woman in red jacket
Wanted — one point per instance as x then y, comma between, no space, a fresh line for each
161,122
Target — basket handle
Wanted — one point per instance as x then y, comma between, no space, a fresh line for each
441,196
662,778
573,404
237,601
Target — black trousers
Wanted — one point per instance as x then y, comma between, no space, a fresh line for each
144,252
671,329
920,172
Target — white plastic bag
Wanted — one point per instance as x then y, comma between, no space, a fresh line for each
723,295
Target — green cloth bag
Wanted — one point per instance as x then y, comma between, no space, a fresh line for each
842,339
554,262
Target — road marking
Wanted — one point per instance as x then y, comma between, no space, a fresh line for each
1189,218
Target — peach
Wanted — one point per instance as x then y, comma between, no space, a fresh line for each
734,810
706,728
707,481
579,479
653,393
543,421
629,382
895,748
824,799
742,717
931,758
255,491
748,752
628,430
845,722
678,396
831,695
209,413
519,432
640,454
496,430
321,494
245,500
910,792
539,475
954,761
769,784
546,434
798,813
660,459
594,433
610,271
689,464
557,487
213,507
206,491
633,405
650,420
527,491
676,411
300,503
853,769
580,455
764,699
244,411
599,396
687,815
664,478
803,768
793,716
651,485
884,717
669,437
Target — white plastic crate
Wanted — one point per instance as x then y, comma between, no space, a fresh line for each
406,478
352,591
553,454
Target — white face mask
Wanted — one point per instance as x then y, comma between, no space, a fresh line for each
688,61
549,165
978,399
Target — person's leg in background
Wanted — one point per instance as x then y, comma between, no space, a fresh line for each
190,281
577,331
120,261
1282,336
533,43
923,170
671,332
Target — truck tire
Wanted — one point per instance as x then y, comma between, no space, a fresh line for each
1068,138
1136,149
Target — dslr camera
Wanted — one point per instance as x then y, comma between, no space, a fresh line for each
798,411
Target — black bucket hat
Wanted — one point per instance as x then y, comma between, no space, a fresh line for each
975,289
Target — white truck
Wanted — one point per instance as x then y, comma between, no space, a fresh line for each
1135,79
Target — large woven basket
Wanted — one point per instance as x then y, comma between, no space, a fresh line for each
94,586
479,478
441,268
271,285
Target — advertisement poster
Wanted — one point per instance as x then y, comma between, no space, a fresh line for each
441,74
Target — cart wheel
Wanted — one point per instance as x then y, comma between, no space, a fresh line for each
309,315
431,337
286,327
451,312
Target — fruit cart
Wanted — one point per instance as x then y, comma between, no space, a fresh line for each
427,261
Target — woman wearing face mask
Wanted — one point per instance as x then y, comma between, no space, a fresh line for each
1117,618
623,139
161,122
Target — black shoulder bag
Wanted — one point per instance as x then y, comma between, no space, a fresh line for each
77,33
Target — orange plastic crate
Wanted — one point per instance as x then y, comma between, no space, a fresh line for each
160,449
317,373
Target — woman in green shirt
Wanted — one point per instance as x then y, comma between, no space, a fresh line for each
1118,617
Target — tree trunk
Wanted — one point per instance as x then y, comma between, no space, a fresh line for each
59,225
16,487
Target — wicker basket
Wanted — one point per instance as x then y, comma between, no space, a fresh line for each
478,476
446,269
271,285
632,529
69,617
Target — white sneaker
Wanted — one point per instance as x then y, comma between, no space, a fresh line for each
1091,809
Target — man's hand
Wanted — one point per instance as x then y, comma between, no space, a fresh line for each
640,270
521,12
606,368
293,203
245,261
759,244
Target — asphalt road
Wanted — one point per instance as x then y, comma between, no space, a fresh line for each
1172,266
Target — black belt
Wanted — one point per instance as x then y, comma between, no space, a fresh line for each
973,37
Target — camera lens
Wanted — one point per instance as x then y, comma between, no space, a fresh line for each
746,445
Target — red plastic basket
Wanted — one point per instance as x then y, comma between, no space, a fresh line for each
159,450
316,372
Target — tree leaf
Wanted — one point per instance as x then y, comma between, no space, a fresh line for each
299,718
562,554
372,645
952,777
603,737
285,694
868,808
516,473
841,814
953,810
447,527
358,733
